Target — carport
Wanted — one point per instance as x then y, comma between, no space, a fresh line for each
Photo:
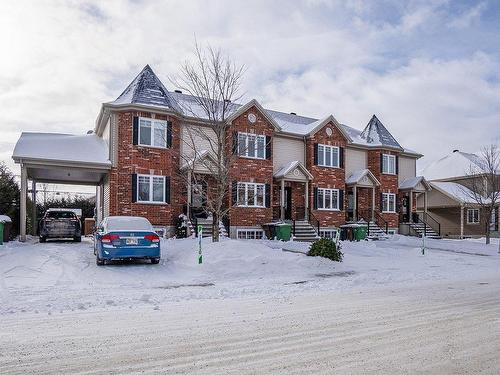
60,159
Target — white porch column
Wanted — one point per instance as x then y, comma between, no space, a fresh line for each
461,221
24,186
188,206
306,213
425,201
355,203
410,219
373,203
33,208
282,200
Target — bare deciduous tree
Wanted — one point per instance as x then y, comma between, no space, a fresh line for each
213,83
483,186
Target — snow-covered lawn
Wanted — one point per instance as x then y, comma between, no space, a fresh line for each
62,276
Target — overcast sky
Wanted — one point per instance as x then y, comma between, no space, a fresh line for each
430,70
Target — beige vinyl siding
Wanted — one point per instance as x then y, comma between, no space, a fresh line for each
436,199
196,138
286,150
407,168
355,160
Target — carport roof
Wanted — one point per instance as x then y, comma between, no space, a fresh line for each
56,148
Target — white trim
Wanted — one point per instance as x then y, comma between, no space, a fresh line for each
256,185
331,233
478,216
150,177
244,153
331,208
153,124
389,157
247,231
388,195
325,147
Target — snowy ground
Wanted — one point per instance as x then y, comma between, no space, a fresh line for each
62,276
54,297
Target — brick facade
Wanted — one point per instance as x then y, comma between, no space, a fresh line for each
244,169
326,177
388,184
144,160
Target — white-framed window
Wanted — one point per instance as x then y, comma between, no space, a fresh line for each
328,156
252,145
250,194
388,164
250,234
328,199
152,132
473,216
150,189
327,233
389,202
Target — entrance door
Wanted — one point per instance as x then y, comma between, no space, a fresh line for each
406,209
288,203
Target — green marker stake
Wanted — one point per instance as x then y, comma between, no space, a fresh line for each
423,244
200,235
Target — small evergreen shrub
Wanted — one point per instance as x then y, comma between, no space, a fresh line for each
325,247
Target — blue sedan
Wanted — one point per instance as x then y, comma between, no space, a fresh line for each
126,237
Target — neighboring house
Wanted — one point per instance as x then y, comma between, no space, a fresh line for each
449,202
291,168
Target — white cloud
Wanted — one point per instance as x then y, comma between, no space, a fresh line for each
352,59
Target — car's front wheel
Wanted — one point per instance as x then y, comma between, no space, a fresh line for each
155,260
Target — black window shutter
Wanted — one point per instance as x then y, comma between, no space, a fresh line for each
397,164
315,198
135,133
341,200
169,134
396,203
268,195
381,163
235,143
167,189
134,188
381,202
315,154
234,192
341,157
269,152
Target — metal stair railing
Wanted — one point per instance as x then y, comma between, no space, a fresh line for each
428,220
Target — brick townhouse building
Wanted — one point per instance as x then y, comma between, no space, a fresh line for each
314,172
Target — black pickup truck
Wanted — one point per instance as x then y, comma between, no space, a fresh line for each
60,224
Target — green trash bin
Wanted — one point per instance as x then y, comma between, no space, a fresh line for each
359,232
1,232
283,231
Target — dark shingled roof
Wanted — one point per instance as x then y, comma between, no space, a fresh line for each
375,133
147,89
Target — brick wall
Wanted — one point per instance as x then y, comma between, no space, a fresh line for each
144,160
325,177
388,184
251,170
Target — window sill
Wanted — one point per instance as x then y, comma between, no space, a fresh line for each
328,166
252,158
244,206
327,209
390,174
152,203
155,147
389,212
472,223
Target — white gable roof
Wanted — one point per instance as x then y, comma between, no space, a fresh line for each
455,164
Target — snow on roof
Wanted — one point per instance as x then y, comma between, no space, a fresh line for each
376,134
87,148
456,164
5,219
456,191
356,176
147,89
412,182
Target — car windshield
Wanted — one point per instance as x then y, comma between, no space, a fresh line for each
61,215
128,223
